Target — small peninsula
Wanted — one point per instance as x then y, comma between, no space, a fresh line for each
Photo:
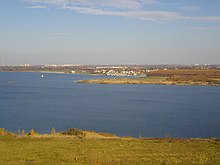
166,77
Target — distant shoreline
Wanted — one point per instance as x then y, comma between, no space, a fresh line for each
153,80
33,72
52,73
149,80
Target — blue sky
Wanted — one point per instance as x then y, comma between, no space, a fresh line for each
110,31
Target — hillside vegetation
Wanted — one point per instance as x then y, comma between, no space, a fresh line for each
88,147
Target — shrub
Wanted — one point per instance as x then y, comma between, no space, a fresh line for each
2,131
32,132
107,134
73,131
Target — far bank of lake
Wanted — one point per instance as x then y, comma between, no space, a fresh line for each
153,80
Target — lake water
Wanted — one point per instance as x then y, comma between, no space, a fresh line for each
29,101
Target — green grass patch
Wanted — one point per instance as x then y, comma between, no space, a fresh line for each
29,150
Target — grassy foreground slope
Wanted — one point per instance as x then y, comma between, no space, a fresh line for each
94,149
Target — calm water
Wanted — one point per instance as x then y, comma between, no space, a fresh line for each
29,101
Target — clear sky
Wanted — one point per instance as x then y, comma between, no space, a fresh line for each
110,31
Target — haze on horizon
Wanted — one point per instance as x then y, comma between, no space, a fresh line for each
110,31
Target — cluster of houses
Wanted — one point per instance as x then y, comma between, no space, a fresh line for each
119,71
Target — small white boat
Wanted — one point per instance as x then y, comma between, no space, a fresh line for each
42,76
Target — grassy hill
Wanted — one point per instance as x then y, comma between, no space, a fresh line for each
89,147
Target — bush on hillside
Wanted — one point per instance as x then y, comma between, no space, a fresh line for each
2,131
73,131
32,132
